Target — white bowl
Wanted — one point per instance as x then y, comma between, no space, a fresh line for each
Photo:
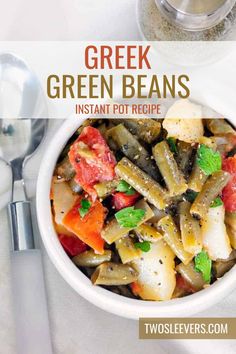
108,301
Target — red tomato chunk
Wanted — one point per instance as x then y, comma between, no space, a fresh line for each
92,160
72,245
121,200
229,192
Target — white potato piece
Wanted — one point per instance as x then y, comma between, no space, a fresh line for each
183,121
156,279
63,200
215,238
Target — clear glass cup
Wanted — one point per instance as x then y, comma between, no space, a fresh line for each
195,15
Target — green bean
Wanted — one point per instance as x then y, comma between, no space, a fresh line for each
127,250
103,129
106,188
113,231
166,163
220,268
210,190
110,273
146,129
219,127
148,233
197,177
230,221
185,151
189,273
173,239
132,149
142,182
65,170
190,229
91,259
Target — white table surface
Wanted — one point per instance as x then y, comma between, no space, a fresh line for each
77,326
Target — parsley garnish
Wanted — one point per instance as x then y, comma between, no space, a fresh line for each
84,207
172,145
217,202
208,160
203,265
125,188
145,246
129,217
190,196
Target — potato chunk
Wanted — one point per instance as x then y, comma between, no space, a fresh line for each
183,121
215,237
156,279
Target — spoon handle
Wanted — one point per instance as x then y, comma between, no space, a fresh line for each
29,296
30,305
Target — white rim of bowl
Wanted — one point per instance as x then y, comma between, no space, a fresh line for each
105,299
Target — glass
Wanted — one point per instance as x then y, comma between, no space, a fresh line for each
195,15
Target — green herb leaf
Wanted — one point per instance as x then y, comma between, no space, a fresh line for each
145,246
208,160
84,208
129,217
124,187
190,196
217,202
172,145
203,265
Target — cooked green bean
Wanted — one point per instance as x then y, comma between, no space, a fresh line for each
92,259
127,250
173,239
132,149
113,231
104,189
197,177
65,170
232,235
103,129
148,233
210,190
146,129
219,127
193,277
190,229
109,273
185,151
220,268
166,163
142,182
230,220
158,214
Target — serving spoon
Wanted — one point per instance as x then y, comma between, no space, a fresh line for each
19,139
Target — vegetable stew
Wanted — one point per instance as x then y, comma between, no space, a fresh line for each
145,209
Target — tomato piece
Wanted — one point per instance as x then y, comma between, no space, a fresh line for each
181,283
92,160
121,200
229,192
72,245
229,164
88,228
135,287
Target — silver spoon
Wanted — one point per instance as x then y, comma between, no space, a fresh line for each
19,139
